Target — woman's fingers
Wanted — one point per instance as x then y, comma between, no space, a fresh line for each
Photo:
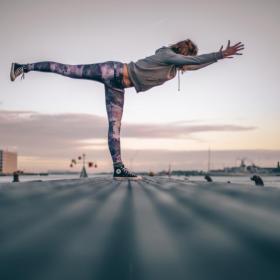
238,44
228,44
240,47
238,50
230,51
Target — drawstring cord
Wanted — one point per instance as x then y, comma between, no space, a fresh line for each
179,80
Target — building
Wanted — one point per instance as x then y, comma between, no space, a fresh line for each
8,162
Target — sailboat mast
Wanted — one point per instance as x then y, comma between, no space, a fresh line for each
209,159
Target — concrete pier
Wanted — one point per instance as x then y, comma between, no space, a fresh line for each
155,229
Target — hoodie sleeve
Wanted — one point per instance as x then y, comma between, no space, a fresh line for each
168,56
196,67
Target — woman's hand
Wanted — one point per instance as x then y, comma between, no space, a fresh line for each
232,50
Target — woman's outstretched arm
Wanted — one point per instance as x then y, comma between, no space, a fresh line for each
169,56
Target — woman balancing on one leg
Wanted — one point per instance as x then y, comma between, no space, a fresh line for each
143,75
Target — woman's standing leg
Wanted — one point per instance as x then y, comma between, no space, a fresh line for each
114,106
114,94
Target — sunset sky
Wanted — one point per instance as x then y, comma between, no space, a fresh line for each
231,106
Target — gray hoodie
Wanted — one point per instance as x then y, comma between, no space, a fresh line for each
156,69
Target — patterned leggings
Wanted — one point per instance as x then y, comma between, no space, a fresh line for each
109,73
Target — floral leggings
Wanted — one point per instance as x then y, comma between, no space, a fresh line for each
109,73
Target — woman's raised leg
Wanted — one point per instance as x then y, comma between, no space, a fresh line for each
82,71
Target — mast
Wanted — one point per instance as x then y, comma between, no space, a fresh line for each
209,158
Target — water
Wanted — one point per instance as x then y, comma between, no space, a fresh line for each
26,178
269,181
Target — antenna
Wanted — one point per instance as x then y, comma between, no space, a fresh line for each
209,158
169,170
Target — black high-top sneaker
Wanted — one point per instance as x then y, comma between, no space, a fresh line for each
17,70
122,173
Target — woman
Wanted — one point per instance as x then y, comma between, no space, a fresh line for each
144,74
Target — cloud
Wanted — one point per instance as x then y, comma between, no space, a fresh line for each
34,133
173,130
28,130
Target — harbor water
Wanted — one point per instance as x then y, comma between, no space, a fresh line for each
269,181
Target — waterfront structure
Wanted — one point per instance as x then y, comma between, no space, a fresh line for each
8,162
244,169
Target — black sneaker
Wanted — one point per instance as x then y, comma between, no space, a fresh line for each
17,70
121,173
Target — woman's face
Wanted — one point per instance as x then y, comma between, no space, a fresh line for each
192,50
187,49
184,50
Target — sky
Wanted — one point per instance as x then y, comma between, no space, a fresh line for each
231,106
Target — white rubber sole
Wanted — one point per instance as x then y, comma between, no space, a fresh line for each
138,178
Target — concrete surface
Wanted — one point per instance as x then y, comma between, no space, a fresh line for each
158,228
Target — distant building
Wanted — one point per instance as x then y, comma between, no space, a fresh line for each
8,162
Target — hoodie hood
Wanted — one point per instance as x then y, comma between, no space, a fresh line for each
163,47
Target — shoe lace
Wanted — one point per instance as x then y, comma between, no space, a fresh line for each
22,76
23,68
20,69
